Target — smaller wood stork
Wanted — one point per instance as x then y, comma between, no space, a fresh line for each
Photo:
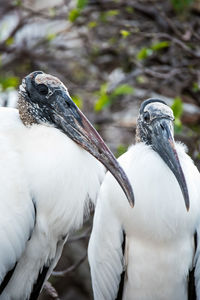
148,253
48,176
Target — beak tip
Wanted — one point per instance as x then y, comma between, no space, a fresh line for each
131,200
187,201
187,207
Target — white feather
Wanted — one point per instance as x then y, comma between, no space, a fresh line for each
39,163
159,230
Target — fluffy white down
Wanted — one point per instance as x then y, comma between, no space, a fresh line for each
43,164
16,208
159,230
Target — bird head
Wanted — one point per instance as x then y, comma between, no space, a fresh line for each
43,99
155,128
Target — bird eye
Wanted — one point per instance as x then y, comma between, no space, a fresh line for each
68,105
42,89
146,116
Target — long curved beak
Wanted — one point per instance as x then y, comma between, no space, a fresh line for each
163,144
75,125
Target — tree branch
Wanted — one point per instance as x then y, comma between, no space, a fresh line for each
70,269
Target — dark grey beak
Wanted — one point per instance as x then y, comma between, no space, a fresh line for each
163,144
75,125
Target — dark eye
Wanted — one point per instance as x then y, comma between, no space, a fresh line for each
67,103
42,89
146,116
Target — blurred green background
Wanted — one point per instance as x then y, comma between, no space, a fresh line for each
111,54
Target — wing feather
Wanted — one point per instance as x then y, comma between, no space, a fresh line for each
105,255
17,212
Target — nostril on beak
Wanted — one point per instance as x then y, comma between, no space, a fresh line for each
100,151
162,126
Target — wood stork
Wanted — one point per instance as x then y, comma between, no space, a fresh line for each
148,253
47,176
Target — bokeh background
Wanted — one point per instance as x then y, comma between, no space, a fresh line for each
111,54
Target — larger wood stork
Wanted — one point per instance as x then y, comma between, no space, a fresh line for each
148,253
47,177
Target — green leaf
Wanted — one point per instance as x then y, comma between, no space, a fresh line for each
51,36
160,45
92,24
113,12
195,87
73,15
125,33
9,41
177,107
177,126
123,89
78,101
129,9
144,53
102,102
141,79
148,51
121,149
81,4
9,82
181,5
52,12
103,17
17,2
103,89
112,40
106,99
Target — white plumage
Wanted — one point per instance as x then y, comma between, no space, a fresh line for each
47,181
39,166
159,231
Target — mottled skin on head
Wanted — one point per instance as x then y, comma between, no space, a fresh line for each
49,80
28,111
24,112
146,116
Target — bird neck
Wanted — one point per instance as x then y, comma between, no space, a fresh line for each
142,135
138,136
24,112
